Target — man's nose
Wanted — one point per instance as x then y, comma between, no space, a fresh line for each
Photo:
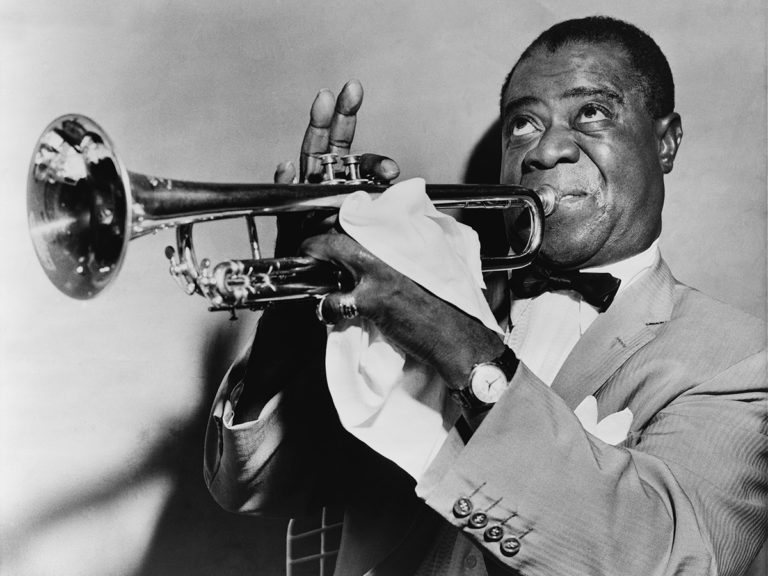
556,145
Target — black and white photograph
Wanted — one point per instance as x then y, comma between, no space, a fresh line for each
368,288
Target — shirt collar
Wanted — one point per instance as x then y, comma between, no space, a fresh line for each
629,269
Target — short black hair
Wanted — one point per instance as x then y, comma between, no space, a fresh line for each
652,72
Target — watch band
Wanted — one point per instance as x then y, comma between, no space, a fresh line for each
508,362
465,397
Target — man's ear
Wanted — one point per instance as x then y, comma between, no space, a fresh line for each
669,132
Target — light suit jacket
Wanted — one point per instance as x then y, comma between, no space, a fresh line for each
685,493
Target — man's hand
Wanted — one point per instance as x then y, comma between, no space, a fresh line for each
426,327
331,128
412,318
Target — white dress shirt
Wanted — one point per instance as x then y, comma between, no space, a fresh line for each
543,330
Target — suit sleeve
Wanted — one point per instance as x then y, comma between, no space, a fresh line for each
686,494
287,461
296,457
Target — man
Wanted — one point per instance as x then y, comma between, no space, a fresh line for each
526,480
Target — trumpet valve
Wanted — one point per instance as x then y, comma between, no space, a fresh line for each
352,163
328,161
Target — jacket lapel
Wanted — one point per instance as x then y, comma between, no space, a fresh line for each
630,323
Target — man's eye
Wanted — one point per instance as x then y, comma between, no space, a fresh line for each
592,113
522,127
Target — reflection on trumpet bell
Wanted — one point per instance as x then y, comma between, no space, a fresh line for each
78,206
84,207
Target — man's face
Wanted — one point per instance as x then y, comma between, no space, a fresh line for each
572,120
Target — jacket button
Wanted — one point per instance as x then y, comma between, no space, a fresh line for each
462,507
478,520
510,546
493,533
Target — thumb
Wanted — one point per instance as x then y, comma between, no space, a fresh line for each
285,173
379,167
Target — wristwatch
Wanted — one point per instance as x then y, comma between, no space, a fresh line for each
487,381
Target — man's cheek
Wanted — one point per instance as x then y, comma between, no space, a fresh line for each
511,167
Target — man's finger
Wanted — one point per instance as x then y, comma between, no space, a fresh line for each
344,120
338,248
285,173
378,167
317,134
338,306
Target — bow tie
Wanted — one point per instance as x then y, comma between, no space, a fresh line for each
596,288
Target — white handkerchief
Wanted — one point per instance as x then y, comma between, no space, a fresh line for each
612,429
396,406
404,229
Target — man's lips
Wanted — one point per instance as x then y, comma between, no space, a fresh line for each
564,195
571,196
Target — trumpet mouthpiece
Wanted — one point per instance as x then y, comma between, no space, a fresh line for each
548,199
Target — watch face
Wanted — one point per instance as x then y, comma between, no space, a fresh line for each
488,382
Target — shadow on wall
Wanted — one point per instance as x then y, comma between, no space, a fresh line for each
193,536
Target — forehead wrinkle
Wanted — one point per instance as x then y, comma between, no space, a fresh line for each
579,65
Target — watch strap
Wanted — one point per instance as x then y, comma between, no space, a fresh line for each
466,398
508,362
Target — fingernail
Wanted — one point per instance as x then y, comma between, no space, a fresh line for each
325,92
289,166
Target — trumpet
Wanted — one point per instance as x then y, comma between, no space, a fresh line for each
84,207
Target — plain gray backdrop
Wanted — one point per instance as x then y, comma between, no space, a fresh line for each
103,403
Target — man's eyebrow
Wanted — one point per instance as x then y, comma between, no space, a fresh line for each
582,91
519,103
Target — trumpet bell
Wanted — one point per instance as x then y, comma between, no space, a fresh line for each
78,206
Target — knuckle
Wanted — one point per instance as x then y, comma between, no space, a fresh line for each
316,136
340,142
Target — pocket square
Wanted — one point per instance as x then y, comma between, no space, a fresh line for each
612,429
